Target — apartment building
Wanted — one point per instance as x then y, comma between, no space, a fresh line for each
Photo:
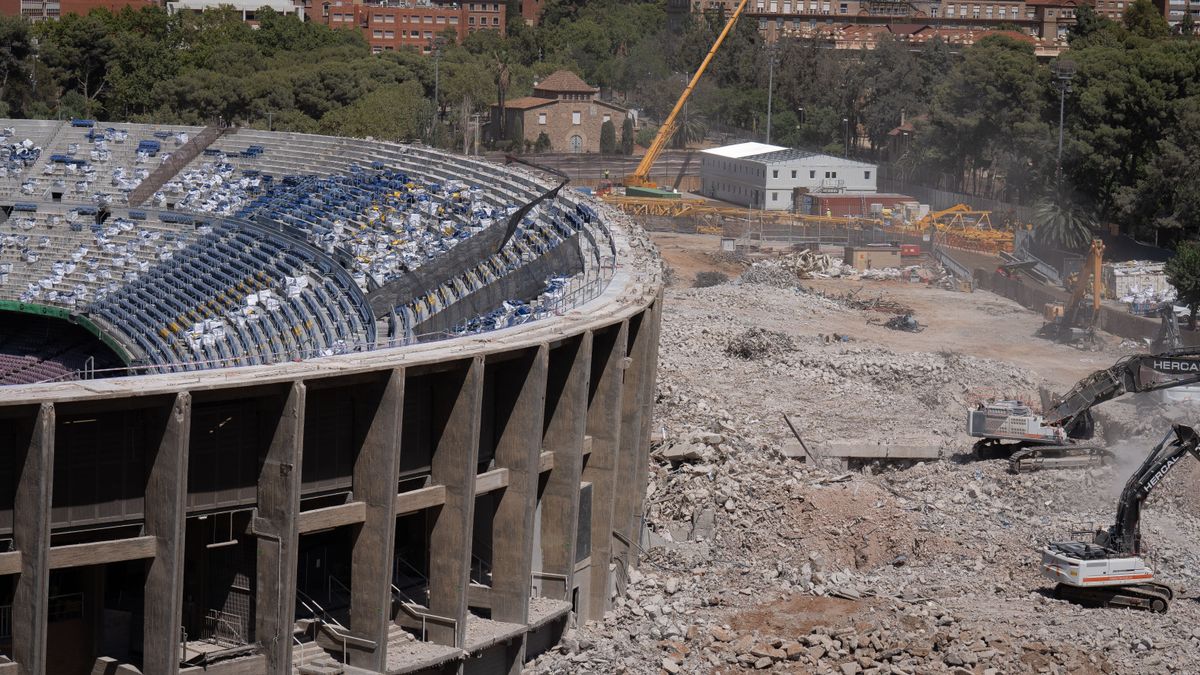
388,26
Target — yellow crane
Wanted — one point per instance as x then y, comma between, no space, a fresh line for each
641,176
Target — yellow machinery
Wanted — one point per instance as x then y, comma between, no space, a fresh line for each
641,176
1089,272
957,216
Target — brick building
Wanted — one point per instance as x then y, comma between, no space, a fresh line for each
566,108
38,10
1047,19
531,11
388,26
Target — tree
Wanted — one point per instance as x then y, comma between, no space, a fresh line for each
894,88
1187,25
516,134
1183,271
1142,18
645,135
1059,221
627,136
608,138
390,113
542,144
987,119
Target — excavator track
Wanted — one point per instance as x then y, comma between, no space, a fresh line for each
1038,457
1153,597
1024,457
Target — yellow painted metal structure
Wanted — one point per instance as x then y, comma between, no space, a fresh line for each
1090,272
641,176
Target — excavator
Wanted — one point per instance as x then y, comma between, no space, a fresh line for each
1110,570
1052,440
1064,328
641,176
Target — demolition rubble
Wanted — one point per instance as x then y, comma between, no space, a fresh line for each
756,558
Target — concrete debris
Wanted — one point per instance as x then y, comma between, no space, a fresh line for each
757,560
757,343
904,322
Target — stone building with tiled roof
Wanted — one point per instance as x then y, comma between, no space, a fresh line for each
564,107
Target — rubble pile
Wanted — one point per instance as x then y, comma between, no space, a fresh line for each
757,343
757,561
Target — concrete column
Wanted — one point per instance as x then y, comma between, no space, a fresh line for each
457,397
604,426
275,524
166,502
650,392
565,425
520,406
630,472
376,471
31,536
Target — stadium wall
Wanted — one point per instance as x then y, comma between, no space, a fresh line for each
166,519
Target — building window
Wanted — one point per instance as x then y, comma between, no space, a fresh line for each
377,34
389,34
867,175
576,117
577,143
827,174
541,118
774,173
605,118
774,196
812,174
793,173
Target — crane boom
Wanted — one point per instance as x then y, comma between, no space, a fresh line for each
641,176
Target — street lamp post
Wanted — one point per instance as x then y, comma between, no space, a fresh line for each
770,85
845,137
1064,71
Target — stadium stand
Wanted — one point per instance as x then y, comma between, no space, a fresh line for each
259,247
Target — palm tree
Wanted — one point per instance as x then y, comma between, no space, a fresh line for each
1063,223
688,132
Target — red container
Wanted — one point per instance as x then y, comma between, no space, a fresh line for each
909,250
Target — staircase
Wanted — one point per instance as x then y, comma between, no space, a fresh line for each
310,659
47,150
179,159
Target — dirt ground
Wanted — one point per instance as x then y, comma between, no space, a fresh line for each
977,324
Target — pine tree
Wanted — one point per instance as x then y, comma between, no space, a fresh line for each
627,136
608,138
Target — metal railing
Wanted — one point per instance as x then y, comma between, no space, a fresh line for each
223,626
419,613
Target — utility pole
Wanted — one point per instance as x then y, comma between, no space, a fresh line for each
846,137
1064,70
435,45
770,85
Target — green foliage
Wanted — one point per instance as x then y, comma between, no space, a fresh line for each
516,134
1183,271
542,143
608,138
645,135
393,113
1062,223
627,136
1142,18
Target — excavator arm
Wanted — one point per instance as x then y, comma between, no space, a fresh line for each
1132,374
1124,536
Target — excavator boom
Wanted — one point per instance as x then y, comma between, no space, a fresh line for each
641,176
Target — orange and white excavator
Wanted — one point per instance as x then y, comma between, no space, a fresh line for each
1111,570
641,176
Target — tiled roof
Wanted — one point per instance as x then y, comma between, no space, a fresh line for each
565,81
527,102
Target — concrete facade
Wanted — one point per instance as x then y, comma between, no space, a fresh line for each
452,505
1041,18
771,177
391,26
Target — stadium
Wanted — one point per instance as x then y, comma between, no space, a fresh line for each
284,403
